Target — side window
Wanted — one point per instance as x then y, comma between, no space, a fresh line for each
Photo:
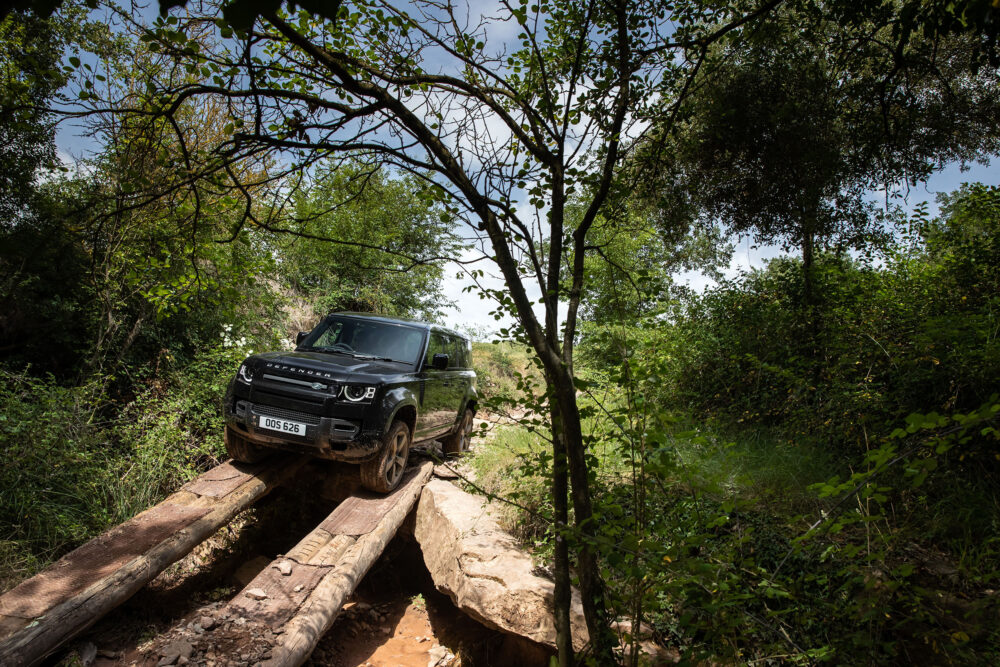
438,344
330,335
455,359
460,346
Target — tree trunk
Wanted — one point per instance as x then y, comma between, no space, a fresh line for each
812,310
560,493
807,268
316,615
591,585
93,591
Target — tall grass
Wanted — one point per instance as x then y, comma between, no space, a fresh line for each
498,366
77,463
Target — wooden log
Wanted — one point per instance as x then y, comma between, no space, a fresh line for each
318,612
207,504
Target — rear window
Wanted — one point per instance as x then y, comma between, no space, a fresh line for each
461,352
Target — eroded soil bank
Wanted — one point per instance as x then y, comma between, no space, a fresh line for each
395,618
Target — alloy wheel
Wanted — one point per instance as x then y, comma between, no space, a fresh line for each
397,455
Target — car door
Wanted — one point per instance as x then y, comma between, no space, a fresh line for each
433,417
459,377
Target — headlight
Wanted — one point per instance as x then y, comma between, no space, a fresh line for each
357,393
245,374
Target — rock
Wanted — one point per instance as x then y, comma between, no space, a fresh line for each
298,589
256,594
653,653
176,652
437,655
483,570
285,568
206,622
182,648
444,472
88,653
107,653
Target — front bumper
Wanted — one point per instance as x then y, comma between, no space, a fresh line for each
326,437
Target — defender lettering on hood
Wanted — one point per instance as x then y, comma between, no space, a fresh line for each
307,371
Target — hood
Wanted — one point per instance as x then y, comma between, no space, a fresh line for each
323,365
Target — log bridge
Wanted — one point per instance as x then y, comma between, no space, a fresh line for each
299,595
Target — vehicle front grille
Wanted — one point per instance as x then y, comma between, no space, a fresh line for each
291,415
308,402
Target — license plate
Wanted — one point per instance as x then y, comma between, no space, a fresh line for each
282,425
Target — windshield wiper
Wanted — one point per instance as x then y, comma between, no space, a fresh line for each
355,355
372,357
334,350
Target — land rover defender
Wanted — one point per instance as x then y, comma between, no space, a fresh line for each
358,388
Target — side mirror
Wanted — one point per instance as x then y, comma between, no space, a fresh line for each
300,336
439,362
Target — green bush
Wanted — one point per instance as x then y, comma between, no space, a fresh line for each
864,412
78,463
917,334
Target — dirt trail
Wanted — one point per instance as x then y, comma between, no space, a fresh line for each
395,618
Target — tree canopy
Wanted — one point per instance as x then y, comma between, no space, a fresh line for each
787,132
584,149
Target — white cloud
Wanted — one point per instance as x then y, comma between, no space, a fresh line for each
745,258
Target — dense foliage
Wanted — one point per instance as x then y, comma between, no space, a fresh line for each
914,333
798,465
815,481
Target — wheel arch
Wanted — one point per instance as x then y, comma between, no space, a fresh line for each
406,413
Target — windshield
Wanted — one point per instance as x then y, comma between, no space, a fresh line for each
366,339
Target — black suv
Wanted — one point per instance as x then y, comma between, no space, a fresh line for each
358,388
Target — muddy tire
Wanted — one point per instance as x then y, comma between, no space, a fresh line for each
458,442
382,474
241,449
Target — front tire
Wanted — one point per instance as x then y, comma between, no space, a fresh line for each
241,449
458,442
383,474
